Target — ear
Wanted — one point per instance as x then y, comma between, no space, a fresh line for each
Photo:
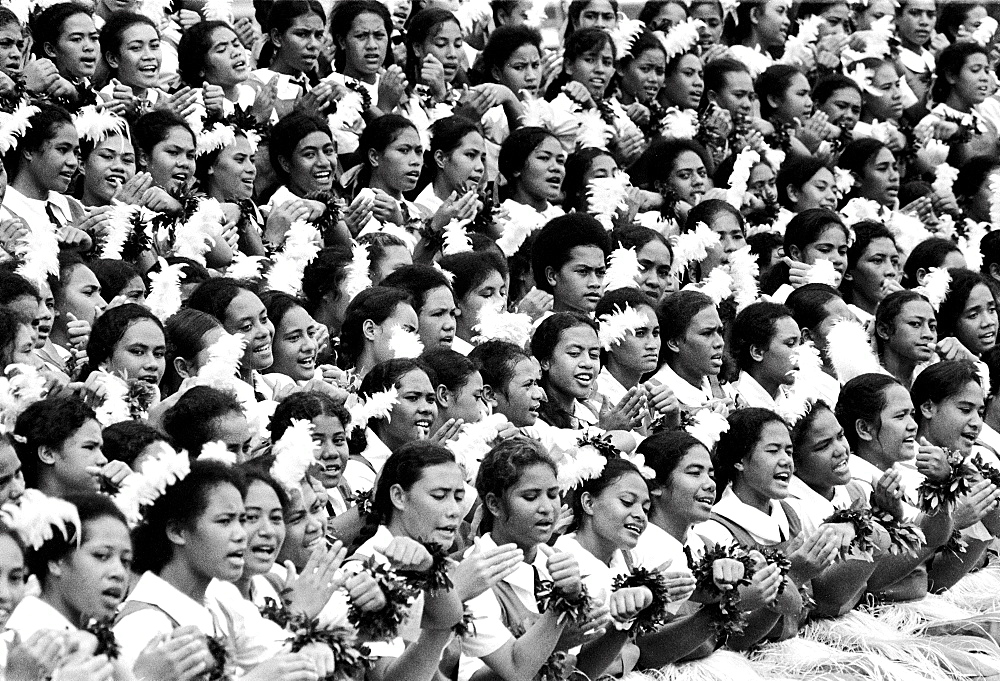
47,455
921,273
551,276
443,396
397,495
373,158
112,59
176,534
439,158
496,74
55,568
181,367
928,409
756,353
807,335
141,160
490,396
995,270
276,38
285,165
773,101
49,50
494,505
673,345
864,430
883,331
368,329
755,15
587,503
793,194
712,96
795,253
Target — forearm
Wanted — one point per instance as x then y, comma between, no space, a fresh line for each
594,658
947,567
531,651
676,640
838,588
419,661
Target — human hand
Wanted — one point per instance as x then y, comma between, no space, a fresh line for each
479,571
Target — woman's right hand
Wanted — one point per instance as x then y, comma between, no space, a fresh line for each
183,656
281,218
479,571
158,200
319,579
284,666
391,88
579,94
535,303
762,589
386,209
432,75
798,272
564,570
970,508
408,554
133,189
932,462
888,493
814,553
11,231
625,415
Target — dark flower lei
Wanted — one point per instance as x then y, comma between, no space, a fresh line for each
728,618
382,625
655,615
861,520
107,644
935,495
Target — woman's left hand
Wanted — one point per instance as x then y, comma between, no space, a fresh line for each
626,415
456,207
951,348
449,430
638,113
183,102
158,200
386,208
365,592
408,554
214,98
625,604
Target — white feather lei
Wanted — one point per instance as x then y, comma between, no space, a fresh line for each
679,125
623,270
577,467
593,131
937,281
843,181
849,350
156,474
302,243
36,516
456,239
114,407
718,285
692,247
404,344
217,451
357,277
219,136
606,196
20,387
38,251
164,297
740,177
823,272
378,406
744,270
707,427
192,238
245,267
681,38
802,394
118,230
616,326
475,441
224,357
498,324
970,244
294,453
755,60
944,179
95,124
13,125
536,14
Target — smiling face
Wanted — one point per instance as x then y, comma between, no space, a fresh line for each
110,165
436,321
462,168
265,527
914,333
688,179
214,546
527,513
654,268
75,53
575,363
13,576
684,85
593,70
413,413
139,353
232,175
226,62
816,192
831,244
94,578
690,493
879,263
522,397
304,524
578,284
768,469
522,71
956,421
54,164
295,345
297,49
821,460
397,167
542,175
310,168
171,162
329,434
618,515
365,46
137,63
248,316
894,436
976,328
431,510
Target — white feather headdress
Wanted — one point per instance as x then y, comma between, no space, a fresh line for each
378,406
219,136
616,326
294,453
692,246
823,272
224,357
114,407
606,196
679,125
119,227
497,324
475,441
707,426
302,244
405,344
20,387
739,179
245,267
681,38
718,285
191,237
522,221
13,125
218,10
95,124
164,297
217,451
357,278
971,242
744,270
625,33
849,350
944,178
623,270
456,239
987,29
36,517
575,468
803,393
156,474
937,281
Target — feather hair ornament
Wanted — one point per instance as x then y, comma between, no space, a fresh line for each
456,238
863,77
984,378
593,131
692,246
799,48
849,350
119,227
614,327
378,406
707,426
970,244
994,185
218,10
294,453
739,179
21,9
935,288
623,270
744,270
13,125
606,196
219,136
217,451
156,474
95,124
164,297
302,244
985,32
823,272
357,277
680,38
843,181
224,357
944,178
473,12
802,394
20,387
625,34
522,221
679,125
38,251
536,13
36,516
346,121
191,237
755,60
404,344
245,267
575,468
639,461
496,323
114,408
475,441
718,286
448,274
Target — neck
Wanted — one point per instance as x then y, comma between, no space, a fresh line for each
365,363
910,45
957,103
693,377
864,303
441,188
30,186
561,399
825,491
524,197
599,546
63,606
184,579
627,98
243,585
673,524
356,74
627,376
58,336
502,536
560,305
900,367
231,92
50,485
387,438
770,386
751,497
90,199
215,192
278,64
377,183
246,374
872,452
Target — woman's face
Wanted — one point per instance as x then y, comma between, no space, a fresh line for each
94,577
20,349
690,494
880,181
466,402
366,45
769,467
684,85
878,264
669,16
310,168
171,162
445,44
139,57
226,62
699,350
974,18
304,526
190,366
462,168
914,333
295,345
414,412
711,33
645,75
688,178
843,107
955,422
777,360
328,433
654,270
248,316
888,105
215,544
403,317
543,172
601,167
794,102
75,54
976,329
233,430
618,515
110,165
265,526
916,21
491,293
823,454
575,362
522,70
47,312
731,237
895,434
762,184
399,163
875,11
771,22
298,48
978,207
431,510
831,244
234,171
816,192
80,296
13,576
529,508
836,20
134,291
78,461
393,257
139,354
436,321
640,351
55,163
972,85
599,14
593,70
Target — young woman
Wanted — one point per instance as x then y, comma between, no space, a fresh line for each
642,73
133,442
434,45
361,30
13,572
691,348
655,258
386,254
816,308
677,169
392,157
812,235
371,319
128,342
972,187
683,81
969,312
433,301
130,48
626,361
228,174
457,163
119,281
883,102
928,254
915,21
513,58
203,414
210,53
303,157
786,103
763,27
77,303
839,98
805,183
65,35
459,387
295,337
166,149
189,334
872,268
568,350
764,338
875,171
480,281
961,85
16,340
905,333
591,14
534,164
725,220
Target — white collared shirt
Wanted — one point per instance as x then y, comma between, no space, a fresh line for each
33,614
768,529
32,211
359,476
812,507
753,393
687,394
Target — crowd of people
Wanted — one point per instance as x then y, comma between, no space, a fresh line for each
499,340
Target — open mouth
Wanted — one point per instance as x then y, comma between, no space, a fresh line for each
236,556
988,337
323,175
239,65
262,349
784,477
841,467
148,378
307,362
971,437
584,378
113,595
544,524
716,359
264,552
332,469
181,178
149,70
635,528
554,181
423,427
705,499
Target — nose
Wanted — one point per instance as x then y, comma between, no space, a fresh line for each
101,304
16,488
239,533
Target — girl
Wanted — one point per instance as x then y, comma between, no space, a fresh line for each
386,254
480,281
691,348
189,334
210,53
785,103
228,174
433,301
108,169
583,166
330,422
815,234
805,183
323,287
839,98
128,342
130,47
872,268
77,303
133,442
119,281
534,164
568,350
677,169
203,414
517,484
726,221
637,354
763,27
928,254
655,257
642,73
961,84
683,81
883,101
972,187
166,150
266,504
816,308
295,343
392,156
434,45
905,333
459,387
13,572
969,312
764,341
304,159
875,171
513,58
65,35
371,319
591,14
456,165
915,21
361,31
16,341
